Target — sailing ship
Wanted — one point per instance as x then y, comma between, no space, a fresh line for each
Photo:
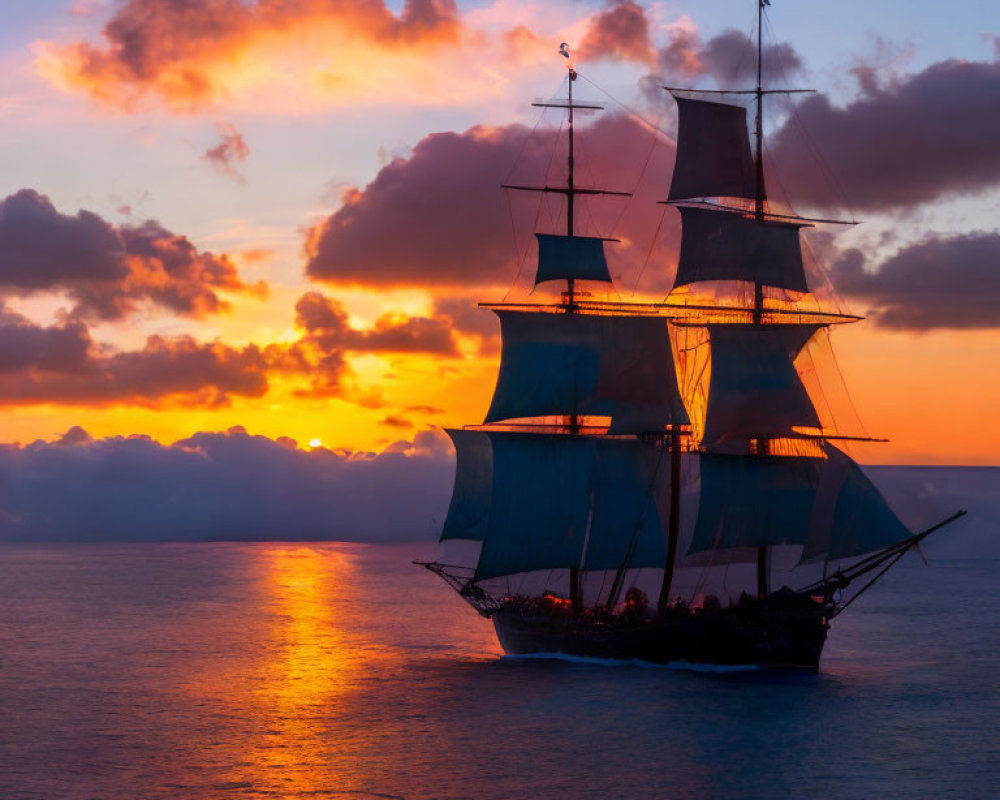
595,482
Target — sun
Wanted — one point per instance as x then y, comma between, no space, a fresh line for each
315,443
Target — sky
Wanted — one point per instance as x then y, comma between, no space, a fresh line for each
275,218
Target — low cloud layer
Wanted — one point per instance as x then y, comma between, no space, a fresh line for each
238,487
941,282
109,272
215,486
911,141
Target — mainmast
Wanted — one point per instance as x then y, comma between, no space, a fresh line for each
758,207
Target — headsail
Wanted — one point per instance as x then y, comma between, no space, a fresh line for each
713,151
563,364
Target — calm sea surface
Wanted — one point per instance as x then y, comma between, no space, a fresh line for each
341,671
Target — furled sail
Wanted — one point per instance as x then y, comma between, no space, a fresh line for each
726,246
825,504
468,513
713,151
571,257
754,390
561,364
566,501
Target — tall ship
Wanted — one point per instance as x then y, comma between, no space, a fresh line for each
653,481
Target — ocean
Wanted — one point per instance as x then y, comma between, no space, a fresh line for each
342,671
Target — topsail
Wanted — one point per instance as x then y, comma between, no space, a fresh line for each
713,151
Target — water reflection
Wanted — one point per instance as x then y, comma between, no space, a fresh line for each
313,657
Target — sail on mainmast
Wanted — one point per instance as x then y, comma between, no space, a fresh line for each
713,151
826,504
727,246
754,389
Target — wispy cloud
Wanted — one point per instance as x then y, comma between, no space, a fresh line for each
231,151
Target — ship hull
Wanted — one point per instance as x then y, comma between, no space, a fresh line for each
727,637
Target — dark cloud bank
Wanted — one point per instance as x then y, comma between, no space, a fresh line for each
221,486
109,271
234,486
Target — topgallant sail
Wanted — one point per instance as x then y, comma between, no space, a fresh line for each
743,520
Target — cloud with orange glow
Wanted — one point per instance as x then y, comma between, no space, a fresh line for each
62,364
189,55
438,218
231,151
620,32
109,272
327,337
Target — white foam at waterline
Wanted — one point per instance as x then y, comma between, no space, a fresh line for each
635,662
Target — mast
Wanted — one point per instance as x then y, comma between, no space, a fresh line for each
758,208
673,530
575,584
758,200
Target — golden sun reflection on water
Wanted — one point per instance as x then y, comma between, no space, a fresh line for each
314,656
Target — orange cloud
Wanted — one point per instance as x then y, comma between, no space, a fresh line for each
620,32
231,150
190,54
407,227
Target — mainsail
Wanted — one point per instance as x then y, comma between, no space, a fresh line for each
754,390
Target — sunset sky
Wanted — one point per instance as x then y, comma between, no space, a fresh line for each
280,215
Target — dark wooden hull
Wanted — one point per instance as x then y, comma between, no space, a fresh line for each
785,638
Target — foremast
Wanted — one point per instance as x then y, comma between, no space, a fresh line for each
618,366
